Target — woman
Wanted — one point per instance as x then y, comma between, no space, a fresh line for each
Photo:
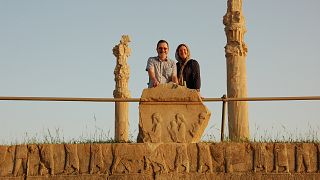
188,70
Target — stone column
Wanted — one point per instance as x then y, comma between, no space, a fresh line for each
236,52
121,72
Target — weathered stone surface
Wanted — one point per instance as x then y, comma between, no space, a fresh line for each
171,113
125,162
107,158
20,164
7,158
33,160
236,52
72,164
122,72
161,161
84,158
46,160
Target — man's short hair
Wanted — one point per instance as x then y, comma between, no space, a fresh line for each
162,41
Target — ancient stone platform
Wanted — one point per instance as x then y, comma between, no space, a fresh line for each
171,113
161,161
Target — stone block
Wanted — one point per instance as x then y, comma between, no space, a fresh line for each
171,113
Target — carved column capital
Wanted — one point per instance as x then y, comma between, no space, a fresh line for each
122,71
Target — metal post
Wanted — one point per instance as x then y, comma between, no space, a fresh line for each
224,103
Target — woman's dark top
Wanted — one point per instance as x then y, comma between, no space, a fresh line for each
191,74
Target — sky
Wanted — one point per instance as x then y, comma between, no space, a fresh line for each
64,49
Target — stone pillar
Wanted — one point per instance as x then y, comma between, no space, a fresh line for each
236,52
122,72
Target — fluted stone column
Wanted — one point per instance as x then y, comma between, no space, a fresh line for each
236,52
122,72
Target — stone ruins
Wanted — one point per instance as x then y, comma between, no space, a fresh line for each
161,161
171,113
236,53
122,73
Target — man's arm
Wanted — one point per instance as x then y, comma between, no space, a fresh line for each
153,78
175,79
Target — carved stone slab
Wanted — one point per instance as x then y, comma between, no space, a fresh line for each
171,113
161,161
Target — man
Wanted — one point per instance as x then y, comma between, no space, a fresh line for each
161,69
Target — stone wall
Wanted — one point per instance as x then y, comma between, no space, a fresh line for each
161,161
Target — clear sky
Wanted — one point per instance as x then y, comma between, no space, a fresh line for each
64,49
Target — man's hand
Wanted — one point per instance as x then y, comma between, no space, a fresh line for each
155,83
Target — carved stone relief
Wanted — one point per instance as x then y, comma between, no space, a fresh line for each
162,160
72,165
281,162
107,158
155,160
21,157
33,160
7,160
303,159
46,160
177,129
238,157
218,157
181,162
260,157
204,158
96,161
133,162
83,151
154,135
58,151
161,120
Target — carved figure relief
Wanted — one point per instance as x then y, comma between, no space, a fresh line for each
155,134
281,157
96,161
196,125
123,162
182,128
302,158
156,161
218,157
46,160
173,130
21,157
72,165
33,160
177,129
204,158
175,122
7,160
260,157
182,160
